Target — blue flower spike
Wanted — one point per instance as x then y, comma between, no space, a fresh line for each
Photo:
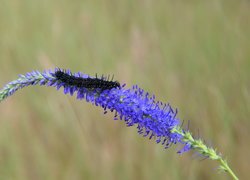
153,119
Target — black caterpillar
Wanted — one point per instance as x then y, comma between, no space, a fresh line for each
102,83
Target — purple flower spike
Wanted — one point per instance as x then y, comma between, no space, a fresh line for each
153,119
134,106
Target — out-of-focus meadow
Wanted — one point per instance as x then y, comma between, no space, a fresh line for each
193,54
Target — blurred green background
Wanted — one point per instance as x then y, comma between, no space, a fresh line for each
195,55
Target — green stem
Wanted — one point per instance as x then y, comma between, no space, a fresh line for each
199,146
226,168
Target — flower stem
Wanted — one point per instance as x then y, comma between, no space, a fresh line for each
199,146
224,166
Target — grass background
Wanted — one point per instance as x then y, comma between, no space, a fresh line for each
195,55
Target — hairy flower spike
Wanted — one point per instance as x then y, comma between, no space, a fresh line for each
153,119
32,78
